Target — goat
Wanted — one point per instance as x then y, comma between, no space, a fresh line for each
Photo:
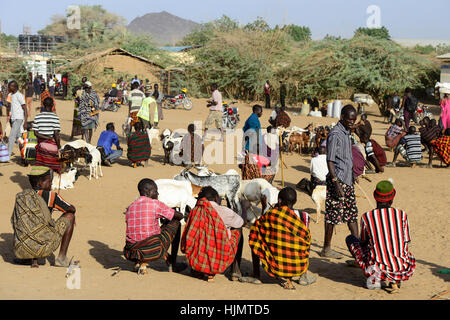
70,155
176,194
226,185
152,134
205,172
319,196
257,191
171,143
295,143
96,164
65,181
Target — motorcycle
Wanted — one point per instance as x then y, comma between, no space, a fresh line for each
171,102
111,104
422,112
230,117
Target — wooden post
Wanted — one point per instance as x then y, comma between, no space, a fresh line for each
281,160
168,82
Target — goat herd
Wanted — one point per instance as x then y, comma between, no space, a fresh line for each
181,191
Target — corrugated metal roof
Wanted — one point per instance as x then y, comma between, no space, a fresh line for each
175,49
444,56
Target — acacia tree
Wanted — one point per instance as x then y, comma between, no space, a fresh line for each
298,33
339,68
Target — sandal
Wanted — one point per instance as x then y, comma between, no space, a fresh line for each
330,254
210,279
62,263
250,280
288,285
305,279
392,288
235,277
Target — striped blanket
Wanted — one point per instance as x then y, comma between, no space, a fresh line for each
282,241
205,240
393,136
442,148
47,155
152,248
139,148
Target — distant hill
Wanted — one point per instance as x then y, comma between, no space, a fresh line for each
165,28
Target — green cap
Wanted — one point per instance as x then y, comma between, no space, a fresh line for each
38,170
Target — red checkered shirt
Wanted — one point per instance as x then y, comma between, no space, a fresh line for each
143,216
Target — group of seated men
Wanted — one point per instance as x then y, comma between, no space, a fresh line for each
212,239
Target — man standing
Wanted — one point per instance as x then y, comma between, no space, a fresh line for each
252,130
382,250
29,95
135,98
340,204
283,93
106,140
18,115
191,148
88,110
267,94
65,84
145,240
51,85
215,111
37,87
409,106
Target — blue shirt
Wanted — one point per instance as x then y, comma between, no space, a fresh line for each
107,139
254,125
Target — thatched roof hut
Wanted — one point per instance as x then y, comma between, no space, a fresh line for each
113,60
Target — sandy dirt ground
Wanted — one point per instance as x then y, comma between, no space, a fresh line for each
99,235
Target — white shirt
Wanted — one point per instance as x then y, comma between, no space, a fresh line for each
51,83
319,168
17,100
217,97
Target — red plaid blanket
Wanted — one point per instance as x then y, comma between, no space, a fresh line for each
205,240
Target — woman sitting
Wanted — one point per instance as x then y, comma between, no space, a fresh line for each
139,148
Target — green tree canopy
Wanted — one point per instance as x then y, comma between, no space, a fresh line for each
206,31
339,68
380,33
298,33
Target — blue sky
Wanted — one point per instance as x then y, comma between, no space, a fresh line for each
404,18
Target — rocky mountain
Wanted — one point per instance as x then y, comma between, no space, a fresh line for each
165,28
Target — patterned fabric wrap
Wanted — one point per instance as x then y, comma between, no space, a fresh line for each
362,255
46,94
36,234
87,103
134,119
283,120
282,241
27,145
4,155
442,148
152,248
338,211
393,136
205,240
139,148
251,171
47,155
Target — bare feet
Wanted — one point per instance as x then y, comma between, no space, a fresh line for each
34,263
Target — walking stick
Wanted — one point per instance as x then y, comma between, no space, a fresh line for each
282,163
367,197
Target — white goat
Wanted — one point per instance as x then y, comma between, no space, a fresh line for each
152,134
77,144
253,191
96,164
319,196
176,194
66,181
